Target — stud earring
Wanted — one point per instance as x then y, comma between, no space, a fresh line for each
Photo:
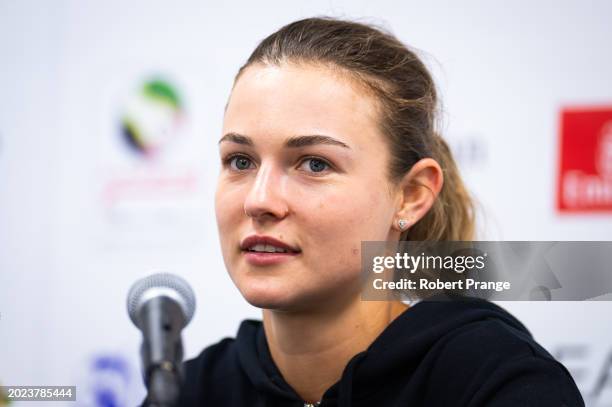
402,223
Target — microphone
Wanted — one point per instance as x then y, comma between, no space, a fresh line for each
161,305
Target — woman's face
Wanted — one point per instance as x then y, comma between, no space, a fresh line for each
303,163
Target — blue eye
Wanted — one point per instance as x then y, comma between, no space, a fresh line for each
316,164
239,162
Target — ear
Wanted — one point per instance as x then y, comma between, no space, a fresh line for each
418,191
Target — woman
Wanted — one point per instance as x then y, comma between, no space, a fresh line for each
328,140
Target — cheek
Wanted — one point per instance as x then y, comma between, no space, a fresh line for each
353,215
336,223
228,210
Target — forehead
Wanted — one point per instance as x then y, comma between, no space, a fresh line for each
290,99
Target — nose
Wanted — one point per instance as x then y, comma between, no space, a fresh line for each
266,198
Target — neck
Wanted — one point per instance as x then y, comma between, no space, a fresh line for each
312,348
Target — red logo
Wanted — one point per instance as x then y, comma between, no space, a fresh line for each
585,165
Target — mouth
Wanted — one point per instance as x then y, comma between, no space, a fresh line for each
268,248
265,250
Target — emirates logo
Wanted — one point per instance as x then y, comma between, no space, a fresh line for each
585,170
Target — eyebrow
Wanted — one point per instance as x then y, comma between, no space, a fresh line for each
293,142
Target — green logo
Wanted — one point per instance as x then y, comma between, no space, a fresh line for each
152,116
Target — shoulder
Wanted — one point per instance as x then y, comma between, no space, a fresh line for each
216,358
223,356
214,364
491,362
206,376
489,339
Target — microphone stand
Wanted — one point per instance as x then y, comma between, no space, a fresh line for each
162,353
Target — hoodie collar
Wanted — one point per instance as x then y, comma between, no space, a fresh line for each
396,352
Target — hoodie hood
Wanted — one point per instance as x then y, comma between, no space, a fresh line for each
398,351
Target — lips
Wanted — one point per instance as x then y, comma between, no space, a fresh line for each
282,251
259,240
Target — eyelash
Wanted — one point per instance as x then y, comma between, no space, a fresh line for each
228,160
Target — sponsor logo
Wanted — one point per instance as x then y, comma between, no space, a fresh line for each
150,194
109,381
585,166
152,117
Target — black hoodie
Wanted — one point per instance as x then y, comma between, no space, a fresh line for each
436,353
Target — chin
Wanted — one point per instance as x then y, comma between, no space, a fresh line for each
268,299
265,294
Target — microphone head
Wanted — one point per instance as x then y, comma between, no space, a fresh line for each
161,284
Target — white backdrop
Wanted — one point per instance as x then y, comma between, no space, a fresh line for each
68,254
